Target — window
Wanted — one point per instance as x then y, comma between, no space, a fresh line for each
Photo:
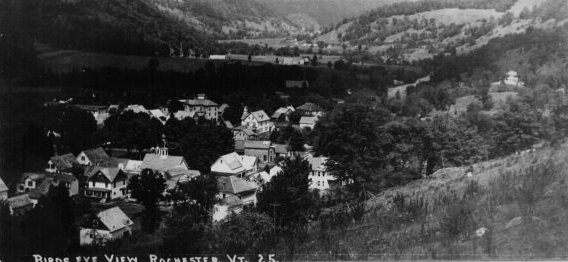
30,183
83,158
20,187
264,157
88,192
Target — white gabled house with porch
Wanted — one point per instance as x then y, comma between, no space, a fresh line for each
106,183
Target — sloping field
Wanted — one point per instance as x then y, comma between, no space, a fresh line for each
455,15
508,208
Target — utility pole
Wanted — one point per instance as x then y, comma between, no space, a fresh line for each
274,205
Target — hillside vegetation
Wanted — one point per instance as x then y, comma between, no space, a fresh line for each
412,31
509,208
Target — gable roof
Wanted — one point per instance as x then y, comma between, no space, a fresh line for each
114,219
136,109
257,144
233,163
235,185
96,155
199,102
90,107
223,107
308,120
19,201
32,176
3,186
311,107
280,148
259,115
64,162
158,163
109,172
282,110
181,115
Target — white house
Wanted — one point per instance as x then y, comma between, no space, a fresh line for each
110,224
513,79
29,182
61,164
319,176
200,107
233,164
106,183
259,121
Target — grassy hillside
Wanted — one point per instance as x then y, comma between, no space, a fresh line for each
326,12
520,201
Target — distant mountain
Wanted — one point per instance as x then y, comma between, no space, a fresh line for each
140,27
236,18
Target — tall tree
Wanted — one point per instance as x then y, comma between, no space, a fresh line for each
148,189
350,136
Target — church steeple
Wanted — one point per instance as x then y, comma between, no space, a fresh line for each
163,151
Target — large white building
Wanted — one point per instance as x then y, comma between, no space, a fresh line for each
201,107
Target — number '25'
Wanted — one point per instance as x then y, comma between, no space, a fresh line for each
270,258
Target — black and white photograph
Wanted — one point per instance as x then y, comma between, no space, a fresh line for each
283,130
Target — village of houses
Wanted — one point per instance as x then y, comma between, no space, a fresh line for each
105,178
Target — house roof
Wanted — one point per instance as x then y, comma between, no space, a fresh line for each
248,131
233,163
114,219
266,177
133,165
180,115
280,148
159,163
109,172
282,110
90,107
228,124
42,189
311,107
64,162
19,201
180,175
232,201
157,113
276,170
223,107
317,163
257,144
136,109
32,176
199,102
96,155
64,177
3,186
259,115
234,185
308,120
